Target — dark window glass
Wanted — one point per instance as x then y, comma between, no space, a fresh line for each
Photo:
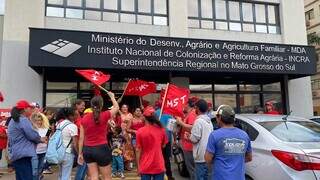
248,102
251,131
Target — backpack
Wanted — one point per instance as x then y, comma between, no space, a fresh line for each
56,150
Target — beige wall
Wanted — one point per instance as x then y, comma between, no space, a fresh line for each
17,79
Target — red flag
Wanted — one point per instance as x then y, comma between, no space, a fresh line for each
140,88
96,77
1,97
175,100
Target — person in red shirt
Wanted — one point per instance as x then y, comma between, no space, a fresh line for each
93,145
186,126
3,137
79,106
270,108
135,124
150,140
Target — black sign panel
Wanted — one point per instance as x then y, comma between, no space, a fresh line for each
77,49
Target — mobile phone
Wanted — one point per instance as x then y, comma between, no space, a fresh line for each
48,133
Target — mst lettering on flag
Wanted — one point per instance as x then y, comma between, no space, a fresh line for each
140,88
175,100
96,77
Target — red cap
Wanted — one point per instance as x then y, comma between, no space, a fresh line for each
148,111
23,104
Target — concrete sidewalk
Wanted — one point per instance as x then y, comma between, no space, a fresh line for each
132,175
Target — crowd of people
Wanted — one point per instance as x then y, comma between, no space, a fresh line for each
104,142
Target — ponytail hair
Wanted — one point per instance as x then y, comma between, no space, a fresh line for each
96,105
153,120
16,113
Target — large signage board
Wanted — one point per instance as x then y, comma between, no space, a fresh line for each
78,49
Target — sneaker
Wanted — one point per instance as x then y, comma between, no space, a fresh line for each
113,175
47,171
122,175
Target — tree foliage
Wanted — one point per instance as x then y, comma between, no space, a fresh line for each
313,39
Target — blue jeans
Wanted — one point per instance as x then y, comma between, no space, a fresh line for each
201,171
152,176
35,165
81,171
23,168
65,167
41,161
117,164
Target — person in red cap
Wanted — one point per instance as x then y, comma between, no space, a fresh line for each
150,140
270,108
22,140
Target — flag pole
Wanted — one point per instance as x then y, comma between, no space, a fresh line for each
120,98
102,88
141,105
163,101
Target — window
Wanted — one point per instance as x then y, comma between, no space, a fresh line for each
54,100
260,17
152,12
249,102
251,131
230,99
293,131
315,84
310,14
2,3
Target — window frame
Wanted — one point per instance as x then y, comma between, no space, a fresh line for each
215,20
309,13
118,11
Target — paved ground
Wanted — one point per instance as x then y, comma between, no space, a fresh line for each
129,175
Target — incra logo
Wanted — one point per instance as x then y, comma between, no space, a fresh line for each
61,48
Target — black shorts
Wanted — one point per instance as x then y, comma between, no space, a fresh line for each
97,154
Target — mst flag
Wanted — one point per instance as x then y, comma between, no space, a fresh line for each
96,77
139,88
175,100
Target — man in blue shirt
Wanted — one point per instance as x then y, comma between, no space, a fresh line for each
228,148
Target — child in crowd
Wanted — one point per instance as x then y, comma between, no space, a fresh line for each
117,141
41,125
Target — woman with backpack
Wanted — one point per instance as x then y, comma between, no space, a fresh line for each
69,131
93,145
22,140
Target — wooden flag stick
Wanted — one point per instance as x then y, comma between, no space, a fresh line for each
102,88
120,98
164,100
141,105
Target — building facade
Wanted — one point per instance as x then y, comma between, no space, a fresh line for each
312,14
35,64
